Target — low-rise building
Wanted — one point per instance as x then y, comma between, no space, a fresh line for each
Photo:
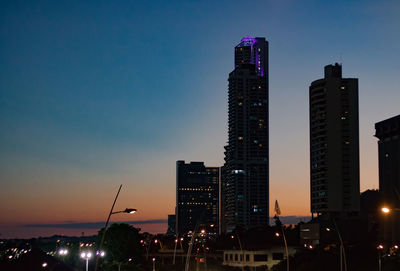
256,258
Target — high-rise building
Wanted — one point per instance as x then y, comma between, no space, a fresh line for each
197,197
171,225
245,174
388,133
334,145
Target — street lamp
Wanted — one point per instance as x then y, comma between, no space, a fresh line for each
86,256
63,252
158,241
385,210
119,265
380,248
127,210
100,253
154,264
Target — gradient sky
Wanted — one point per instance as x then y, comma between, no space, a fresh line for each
94,94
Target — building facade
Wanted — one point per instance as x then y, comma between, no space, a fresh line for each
245,174
388,133
171,230
264,259
334,144
197,197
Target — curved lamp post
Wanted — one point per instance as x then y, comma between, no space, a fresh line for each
126,260
127,210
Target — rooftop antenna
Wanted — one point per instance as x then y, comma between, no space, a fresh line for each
340,59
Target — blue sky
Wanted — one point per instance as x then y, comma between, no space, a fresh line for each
98,93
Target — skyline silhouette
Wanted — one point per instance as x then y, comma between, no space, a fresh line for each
96,94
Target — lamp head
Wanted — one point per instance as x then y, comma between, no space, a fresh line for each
385,210
130,210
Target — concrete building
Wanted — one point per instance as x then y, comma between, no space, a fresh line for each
245,174
197,197
256,258
388,133
334,145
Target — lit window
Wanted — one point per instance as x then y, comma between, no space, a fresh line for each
342,87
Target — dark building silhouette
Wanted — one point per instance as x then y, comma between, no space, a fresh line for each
171,225
245,174
197,197
334,145
388,133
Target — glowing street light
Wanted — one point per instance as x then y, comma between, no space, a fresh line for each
100,253
380,248
63,252
86,256
126,260
158,241
385,210
127,210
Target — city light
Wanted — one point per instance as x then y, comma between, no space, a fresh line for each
86,255
63,252
385,210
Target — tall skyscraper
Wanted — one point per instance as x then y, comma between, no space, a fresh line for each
334,144
245,179
388,133
197,197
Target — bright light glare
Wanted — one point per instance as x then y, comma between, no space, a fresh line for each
385,210
86,255
63,251
44,264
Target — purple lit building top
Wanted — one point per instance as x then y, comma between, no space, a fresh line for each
252,50
247,41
